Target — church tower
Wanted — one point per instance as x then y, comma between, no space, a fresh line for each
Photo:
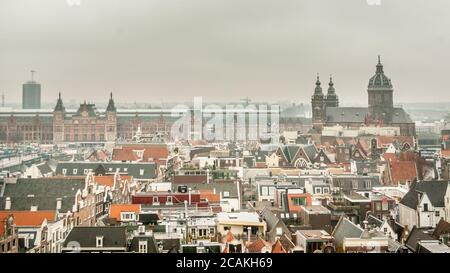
59,114
332,100
380,91
318,106
111,120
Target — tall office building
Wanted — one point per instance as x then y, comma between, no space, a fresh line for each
31,94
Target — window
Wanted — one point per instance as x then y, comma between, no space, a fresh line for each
169,199
378,206
141,172
155,199
318,190
279,231
299,201
355,184
64,171
99,241
211,231
202,232
437,213
425,207
326,190
142,246
86,171
75,171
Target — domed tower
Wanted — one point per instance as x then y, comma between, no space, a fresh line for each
111,120
380,91
318,106
59,114
332,100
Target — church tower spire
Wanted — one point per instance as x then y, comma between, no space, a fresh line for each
111,106
380,91
318,106
332,99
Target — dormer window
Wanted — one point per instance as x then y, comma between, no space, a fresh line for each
142,246
99,241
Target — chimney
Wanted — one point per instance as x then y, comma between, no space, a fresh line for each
141,230
8,203
190,196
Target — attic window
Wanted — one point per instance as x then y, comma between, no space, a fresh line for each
99,241
75,171
64,171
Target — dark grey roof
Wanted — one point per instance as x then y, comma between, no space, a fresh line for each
346,182
270,218
260,156
346,229
346,114
415,236
133,169
358,115
435,191
364,167
147,218
151,243
44,168
310,151
290,151
374,221
42,192
86,236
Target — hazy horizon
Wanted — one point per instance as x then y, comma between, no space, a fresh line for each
269,50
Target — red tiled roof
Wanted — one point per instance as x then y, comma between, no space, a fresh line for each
107,180
116,209
445,153
257,246
229,237
386,140
27,218
124,155
402,171
278,247
210,195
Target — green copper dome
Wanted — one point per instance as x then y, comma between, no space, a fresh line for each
379,80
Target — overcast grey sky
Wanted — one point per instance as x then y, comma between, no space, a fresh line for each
171,50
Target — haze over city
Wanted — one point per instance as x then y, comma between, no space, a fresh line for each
268,50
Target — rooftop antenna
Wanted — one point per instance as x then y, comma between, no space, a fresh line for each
32,75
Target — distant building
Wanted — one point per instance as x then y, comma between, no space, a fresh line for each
380,112
31,95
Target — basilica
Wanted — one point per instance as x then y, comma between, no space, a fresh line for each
380,110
